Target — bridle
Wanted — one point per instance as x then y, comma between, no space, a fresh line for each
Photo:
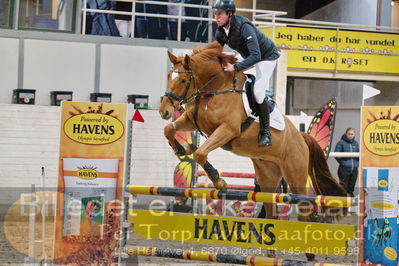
199,93
181,99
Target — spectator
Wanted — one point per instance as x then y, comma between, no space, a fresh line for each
157,27
348,167
102,24
172,22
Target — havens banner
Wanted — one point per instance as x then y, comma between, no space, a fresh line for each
357,50
91,167
379,183
287,236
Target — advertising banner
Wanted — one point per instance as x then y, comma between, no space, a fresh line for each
357,50
379,183
290,236
91,168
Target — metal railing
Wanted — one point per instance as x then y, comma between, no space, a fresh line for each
179,17
344,154
261,18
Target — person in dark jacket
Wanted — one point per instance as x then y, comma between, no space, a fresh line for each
257,50
348,167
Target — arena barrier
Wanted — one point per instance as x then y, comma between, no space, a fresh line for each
214,257
318,200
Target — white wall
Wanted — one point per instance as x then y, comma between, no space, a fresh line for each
50,65
59,66
133,70
8,68
395,15
362,12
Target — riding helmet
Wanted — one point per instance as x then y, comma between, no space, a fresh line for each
224,5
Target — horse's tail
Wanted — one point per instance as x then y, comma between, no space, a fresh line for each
323,181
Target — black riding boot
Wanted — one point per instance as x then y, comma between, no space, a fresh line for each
265,138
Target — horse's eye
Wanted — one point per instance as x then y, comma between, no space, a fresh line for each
183,80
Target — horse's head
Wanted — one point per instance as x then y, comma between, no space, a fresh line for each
190,73
180,86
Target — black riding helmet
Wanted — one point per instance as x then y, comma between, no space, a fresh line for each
224,5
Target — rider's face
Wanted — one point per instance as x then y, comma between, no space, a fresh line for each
221,17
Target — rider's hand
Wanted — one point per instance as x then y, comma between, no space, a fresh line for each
229,67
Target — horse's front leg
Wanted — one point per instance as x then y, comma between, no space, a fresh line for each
219,137
181,124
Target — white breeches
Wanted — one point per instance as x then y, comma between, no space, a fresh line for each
264,71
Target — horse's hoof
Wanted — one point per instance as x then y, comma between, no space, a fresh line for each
220,184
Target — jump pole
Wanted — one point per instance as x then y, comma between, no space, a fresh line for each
318,200
235,187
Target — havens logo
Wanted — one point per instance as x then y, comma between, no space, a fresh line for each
382,205
92,128
381,137
383,183
87,173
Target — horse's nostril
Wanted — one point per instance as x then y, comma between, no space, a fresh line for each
166,113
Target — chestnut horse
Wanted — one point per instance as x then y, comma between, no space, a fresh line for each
213,102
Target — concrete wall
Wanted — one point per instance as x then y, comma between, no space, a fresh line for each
82,64
286,5
52,66
8,68
395,15
363,12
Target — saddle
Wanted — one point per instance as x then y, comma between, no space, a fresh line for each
249,90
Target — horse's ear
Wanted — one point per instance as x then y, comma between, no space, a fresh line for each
172,57
187,61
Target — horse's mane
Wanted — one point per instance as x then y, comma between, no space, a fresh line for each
213,50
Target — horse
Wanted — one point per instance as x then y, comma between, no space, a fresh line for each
214,106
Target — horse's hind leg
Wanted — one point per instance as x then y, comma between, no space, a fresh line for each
295,171
268,175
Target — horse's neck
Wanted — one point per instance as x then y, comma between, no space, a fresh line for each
223,81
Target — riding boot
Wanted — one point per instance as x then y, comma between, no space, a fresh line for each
265,138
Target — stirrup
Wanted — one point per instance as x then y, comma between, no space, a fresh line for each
264,139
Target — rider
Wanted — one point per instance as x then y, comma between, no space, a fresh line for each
257,50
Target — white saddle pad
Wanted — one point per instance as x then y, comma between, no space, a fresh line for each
276,117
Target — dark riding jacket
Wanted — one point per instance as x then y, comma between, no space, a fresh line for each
250,42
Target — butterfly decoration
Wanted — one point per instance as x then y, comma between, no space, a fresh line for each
322,126
184,175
